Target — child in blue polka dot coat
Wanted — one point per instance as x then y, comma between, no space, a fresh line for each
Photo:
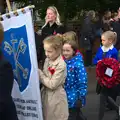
76,80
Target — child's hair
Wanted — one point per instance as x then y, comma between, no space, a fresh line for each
68,36
73,44
110,35
55,41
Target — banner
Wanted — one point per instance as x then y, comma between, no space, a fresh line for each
19,49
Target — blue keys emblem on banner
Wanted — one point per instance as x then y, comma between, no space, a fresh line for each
16,51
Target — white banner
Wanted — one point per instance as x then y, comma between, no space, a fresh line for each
19,49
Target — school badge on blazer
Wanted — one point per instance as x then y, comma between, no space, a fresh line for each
16,50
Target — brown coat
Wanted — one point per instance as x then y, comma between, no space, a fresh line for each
54,99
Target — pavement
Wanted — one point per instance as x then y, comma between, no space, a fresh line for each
92,101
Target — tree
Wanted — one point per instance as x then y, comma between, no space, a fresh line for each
70,8
2,6
63,6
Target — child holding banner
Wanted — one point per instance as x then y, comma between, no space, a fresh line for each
7,106
54,99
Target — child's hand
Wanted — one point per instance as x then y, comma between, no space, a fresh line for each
40,72
78,103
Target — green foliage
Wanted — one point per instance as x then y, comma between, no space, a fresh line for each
70,8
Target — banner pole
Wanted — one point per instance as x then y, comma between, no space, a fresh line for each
8,5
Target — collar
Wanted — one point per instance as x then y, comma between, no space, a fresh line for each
77,57
53,25
56,62
107,49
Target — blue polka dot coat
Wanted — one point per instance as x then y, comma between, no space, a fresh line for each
76,80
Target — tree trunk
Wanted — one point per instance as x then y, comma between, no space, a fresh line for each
2,6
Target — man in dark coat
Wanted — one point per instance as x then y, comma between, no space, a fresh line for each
87,36
7,106
115,25
38,44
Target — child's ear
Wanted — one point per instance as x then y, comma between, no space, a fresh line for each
110,41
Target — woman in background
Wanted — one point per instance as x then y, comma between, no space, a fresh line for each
52,25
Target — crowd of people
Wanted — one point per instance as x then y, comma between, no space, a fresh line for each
63,77
75,83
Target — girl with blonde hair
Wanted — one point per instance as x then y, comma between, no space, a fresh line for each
107,50
54,99
71,35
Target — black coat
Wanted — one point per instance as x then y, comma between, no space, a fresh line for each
48,31
38,44
7,106
52,30
87,33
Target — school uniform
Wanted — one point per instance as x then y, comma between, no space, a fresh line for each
104,92
102,53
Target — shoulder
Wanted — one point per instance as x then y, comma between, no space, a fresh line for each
62,64
78,61
78,65
61,26
114,51
45,28
100,48
61,29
